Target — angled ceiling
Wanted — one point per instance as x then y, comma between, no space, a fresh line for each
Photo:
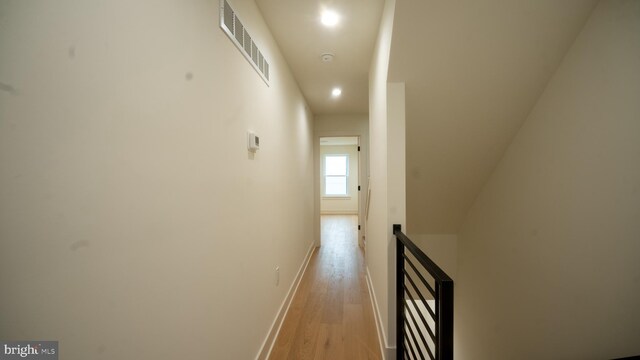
473,71
302,38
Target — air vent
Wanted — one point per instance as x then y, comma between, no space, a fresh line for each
247,43
228,16
254,53
237,32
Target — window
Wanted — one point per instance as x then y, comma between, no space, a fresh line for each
336,171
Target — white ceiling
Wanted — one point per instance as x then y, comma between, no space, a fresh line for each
473,71
296,26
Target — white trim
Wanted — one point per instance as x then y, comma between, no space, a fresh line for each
339,212
272,335
336,197
388,352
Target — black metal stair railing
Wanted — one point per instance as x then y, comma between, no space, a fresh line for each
424,298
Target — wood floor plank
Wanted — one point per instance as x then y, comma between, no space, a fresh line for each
304,340
330,343
330,316
353,332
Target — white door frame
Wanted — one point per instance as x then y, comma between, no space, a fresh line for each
318,190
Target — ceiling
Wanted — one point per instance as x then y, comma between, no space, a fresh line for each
302,38
473,72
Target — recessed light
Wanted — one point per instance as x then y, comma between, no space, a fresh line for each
336,92
329,18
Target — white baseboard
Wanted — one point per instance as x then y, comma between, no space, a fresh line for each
388,352
268,343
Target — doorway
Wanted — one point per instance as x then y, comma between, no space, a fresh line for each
340,176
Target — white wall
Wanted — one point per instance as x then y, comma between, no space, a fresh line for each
548,264
134,224
396,169
343,125
474,70
341,205
441,248
386,126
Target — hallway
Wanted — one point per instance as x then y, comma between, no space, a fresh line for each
331,315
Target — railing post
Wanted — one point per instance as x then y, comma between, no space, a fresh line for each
399,295
445,320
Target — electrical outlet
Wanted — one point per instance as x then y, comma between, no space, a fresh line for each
277,275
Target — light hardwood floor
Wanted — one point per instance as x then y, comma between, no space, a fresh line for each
331,315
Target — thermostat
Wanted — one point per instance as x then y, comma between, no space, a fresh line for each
253,141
